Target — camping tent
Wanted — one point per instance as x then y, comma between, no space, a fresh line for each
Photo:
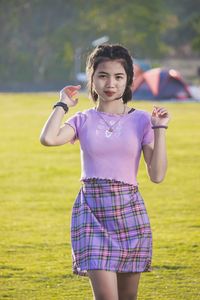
160,84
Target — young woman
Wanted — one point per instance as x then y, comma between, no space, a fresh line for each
110,230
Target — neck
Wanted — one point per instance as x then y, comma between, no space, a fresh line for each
114,107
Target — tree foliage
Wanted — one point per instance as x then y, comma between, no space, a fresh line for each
184,35
39,38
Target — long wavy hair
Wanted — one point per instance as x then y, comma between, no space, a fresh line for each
108,52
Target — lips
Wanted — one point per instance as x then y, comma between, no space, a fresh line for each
109,93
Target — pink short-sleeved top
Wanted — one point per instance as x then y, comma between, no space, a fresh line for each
111,155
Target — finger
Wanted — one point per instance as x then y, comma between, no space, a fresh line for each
73,88
69,89
154,112
74,93
158,108
70,93
75,101
155,107
164,113
161,111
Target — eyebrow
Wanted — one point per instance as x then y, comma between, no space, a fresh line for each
102,72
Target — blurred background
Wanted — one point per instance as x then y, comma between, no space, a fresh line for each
44,43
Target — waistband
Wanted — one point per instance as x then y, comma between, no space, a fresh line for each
107,185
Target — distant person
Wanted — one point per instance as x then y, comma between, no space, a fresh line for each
110,230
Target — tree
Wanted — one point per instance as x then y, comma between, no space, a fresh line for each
39,38
184,36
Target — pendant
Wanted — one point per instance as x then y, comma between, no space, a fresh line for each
110,130
108,133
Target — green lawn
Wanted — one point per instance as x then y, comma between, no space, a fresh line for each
39,185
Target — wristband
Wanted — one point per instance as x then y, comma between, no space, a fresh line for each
63,105
159,126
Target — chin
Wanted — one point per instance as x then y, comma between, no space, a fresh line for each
111,98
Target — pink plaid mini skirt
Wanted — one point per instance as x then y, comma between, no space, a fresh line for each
110,228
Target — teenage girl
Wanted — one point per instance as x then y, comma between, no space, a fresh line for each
110,230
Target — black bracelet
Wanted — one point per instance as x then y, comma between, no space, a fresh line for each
63,105
159,126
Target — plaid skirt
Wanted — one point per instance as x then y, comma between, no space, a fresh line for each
110,228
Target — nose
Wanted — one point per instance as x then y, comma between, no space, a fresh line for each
110,81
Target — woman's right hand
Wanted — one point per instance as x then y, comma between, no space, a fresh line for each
69,95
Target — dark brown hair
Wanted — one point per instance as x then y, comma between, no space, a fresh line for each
107,52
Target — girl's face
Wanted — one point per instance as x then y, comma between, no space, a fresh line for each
109,80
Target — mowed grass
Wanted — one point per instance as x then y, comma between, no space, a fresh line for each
39,185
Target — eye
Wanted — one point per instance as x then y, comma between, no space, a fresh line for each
102,76
118,77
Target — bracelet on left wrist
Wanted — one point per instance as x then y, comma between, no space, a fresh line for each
159,126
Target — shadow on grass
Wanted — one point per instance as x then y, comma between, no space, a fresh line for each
41,245
55,279
168,267
7,267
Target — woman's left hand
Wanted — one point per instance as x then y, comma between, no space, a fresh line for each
160,116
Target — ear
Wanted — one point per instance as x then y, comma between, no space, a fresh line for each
94,95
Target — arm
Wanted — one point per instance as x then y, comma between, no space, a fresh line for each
155,153
53,134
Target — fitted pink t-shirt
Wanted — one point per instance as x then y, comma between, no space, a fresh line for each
111,155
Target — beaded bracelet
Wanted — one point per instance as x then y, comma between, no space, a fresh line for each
63,105
159,126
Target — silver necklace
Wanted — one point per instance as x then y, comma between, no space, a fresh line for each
111,127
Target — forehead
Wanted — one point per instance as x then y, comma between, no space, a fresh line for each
111,67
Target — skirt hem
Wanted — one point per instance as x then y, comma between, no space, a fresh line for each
83,272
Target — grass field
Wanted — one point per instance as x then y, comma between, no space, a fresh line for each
39,185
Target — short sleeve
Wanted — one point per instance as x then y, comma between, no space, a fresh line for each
76,122
148,134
